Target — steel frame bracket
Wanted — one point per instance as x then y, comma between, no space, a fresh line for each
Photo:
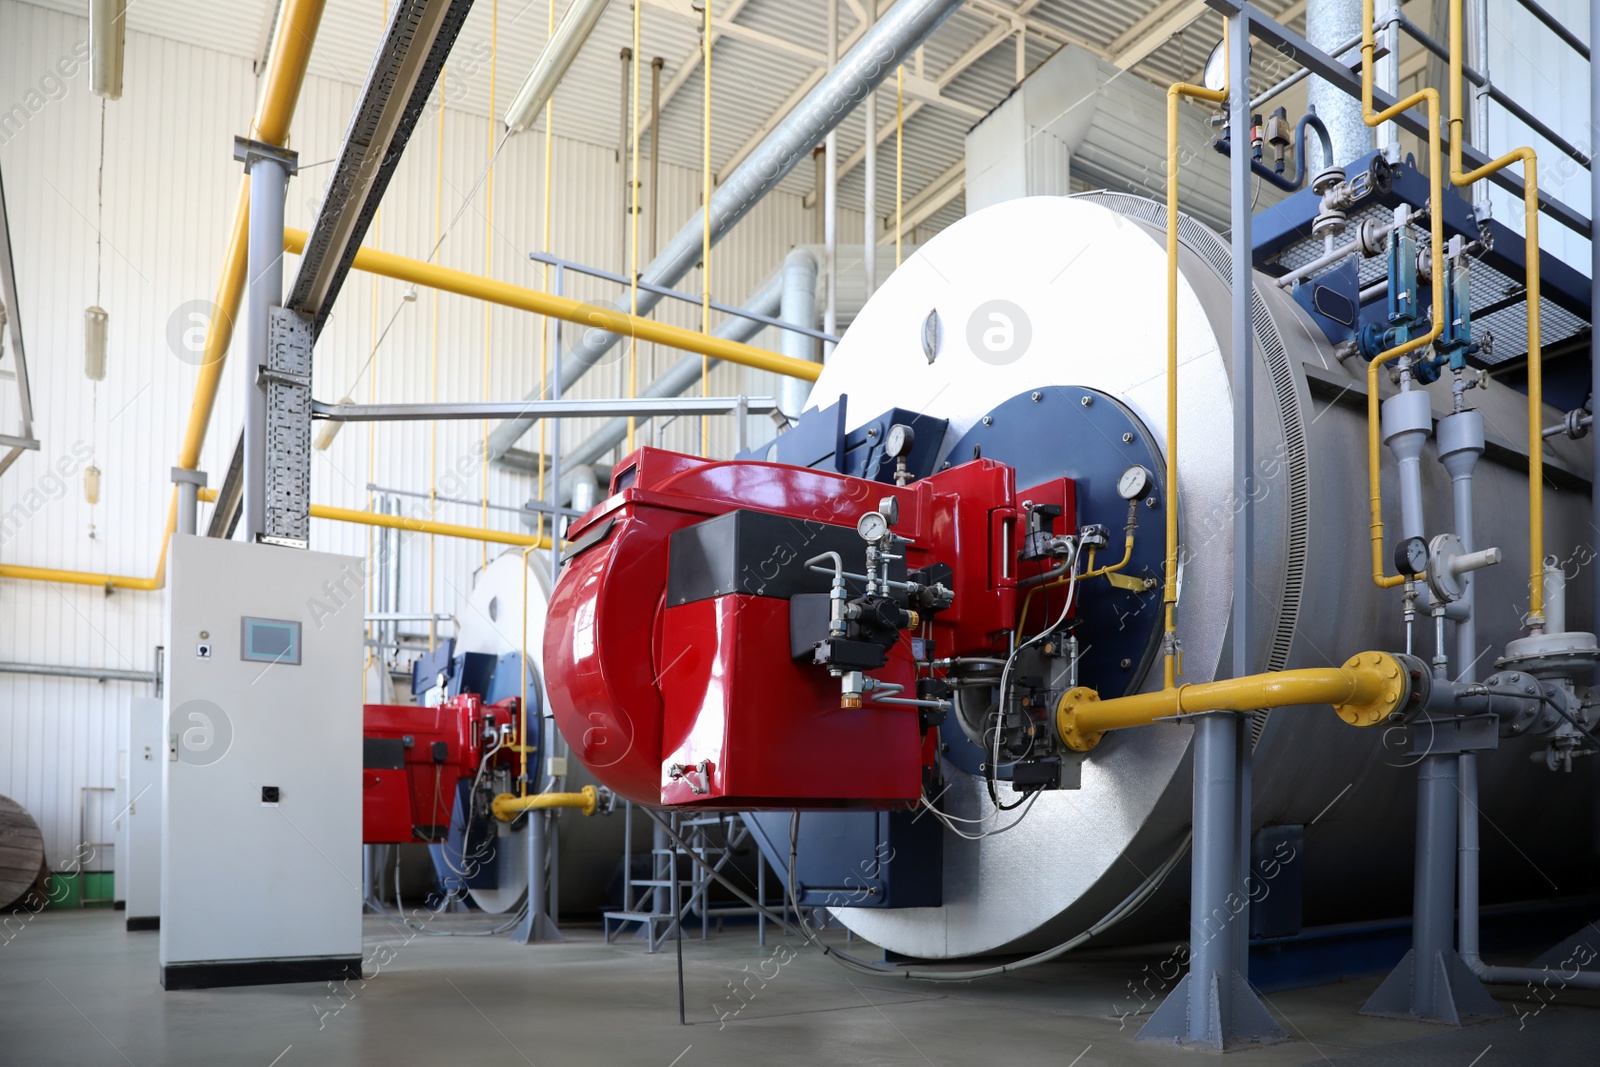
250,152
1451,737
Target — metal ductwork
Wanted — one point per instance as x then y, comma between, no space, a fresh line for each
879,51
1079,118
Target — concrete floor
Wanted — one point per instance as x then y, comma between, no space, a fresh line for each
76,989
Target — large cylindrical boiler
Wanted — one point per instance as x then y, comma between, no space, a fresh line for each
1080,285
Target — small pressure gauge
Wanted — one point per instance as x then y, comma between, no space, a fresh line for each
898,443
889,507
1134,483
872,526
1411,556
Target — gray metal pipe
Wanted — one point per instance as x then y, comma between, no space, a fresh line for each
1469,852
1407,424
97,674
1433,894
798,308
874,57
268,181
768,300
576,24
1329,25
1460,444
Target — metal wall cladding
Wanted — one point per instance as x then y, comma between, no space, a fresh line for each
170,187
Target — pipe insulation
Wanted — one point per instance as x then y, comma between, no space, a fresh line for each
880,50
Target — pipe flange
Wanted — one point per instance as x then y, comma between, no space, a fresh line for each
1373,706
1067,719
1327,179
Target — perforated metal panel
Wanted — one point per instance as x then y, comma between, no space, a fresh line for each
288,429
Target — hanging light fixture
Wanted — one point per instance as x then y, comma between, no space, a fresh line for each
328,431
91,484
551,66
94,343
107,42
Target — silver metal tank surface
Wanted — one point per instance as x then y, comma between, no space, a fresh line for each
1086,280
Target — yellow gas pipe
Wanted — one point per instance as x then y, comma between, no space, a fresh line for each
1175,94
507,807
1369,688
1530,211
1436,254
560,307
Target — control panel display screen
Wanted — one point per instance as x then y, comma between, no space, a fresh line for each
270,641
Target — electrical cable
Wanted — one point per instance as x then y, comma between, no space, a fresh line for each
1130,904
992,769
1541,698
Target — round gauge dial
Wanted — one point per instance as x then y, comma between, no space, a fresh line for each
1411,556
1134,483
872,526
898,443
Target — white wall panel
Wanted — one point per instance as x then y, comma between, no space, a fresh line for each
169,191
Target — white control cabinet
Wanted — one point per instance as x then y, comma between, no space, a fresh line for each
141,812
261,825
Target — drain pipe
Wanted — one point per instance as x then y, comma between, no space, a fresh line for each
1460,444
768,300
799,308
1581,979
876,54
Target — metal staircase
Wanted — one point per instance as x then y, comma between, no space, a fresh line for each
677,887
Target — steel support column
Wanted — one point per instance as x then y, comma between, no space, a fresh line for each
189,484
1594,317
1214,1006
1432,983
269,168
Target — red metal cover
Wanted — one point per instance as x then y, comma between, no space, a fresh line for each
638,687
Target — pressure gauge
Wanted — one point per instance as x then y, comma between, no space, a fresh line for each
872,526
1411,556
1134,483
898,443
889,507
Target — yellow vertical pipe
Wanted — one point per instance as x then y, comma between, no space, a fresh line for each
488,255
1175,95
544,324
899,157
1430,97
1530,217
433,367
633,218
705,239
280,92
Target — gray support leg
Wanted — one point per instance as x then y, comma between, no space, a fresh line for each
1432,983
1214,1007
537,926
189,484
